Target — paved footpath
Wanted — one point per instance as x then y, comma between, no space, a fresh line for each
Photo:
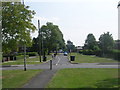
41,80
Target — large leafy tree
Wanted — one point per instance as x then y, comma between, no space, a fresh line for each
16,26
90,42
70,46
52,37
106,41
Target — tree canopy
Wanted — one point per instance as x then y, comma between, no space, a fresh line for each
70,46
106,41
52,37
90,42
16,25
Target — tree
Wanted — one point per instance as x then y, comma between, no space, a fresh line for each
35,45
52,38
106,42
16,26
117,44
90,42
70,46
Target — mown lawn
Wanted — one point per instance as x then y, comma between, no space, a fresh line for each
17,78
85,78
79,58
28,61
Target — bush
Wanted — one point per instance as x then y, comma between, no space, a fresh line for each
29,53
88,52
81,51
32,53
116,54
21,57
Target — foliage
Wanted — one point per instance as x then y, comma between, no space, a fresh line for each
52,37
35,45
117,44
80,58
16,26
88,52
70,46
32,53
116,54
106,42
90,42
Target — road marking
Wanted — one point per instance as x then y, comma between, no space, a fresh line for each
58,60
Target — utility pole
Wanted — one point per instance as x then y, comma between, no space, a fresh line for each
24,56
118,20
24,51
40,40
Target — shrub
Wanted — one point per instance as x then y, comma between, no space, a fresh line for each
116,54
29,53
32,53
81,51
88,52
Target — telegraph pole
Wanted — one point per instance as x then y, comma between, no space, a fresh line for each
24,51
40,41
24,56
118,20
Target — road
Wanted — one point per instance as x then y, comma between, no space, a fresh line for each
60,62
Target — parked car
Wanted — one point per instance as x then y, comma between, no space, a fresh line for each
65,53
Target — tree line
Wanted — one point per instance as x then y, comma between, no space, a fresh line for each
105,47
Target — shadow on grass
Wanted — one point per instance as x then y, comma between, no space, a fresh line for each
108,83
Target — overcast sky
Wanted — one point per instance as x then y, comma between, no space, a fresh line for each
77,18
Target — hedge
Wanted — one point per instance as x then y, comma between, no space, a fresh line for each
21,57
87,52
32,53
114,54
29,53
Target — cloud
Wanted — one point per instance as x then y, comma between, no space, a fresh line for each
52,19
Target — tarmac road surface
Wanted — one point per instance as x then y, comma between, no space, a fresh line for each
61,61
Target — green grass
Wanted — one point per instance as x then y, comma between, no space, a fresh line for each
17,78
91,59
28,61
85,78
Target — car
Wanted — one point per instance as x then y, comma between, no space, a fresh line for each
65,53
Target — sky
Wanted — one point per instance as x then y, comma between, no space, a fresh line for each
77,18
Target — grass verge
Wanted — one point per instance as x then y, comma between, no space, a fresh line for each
85,78
17,78
91,59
